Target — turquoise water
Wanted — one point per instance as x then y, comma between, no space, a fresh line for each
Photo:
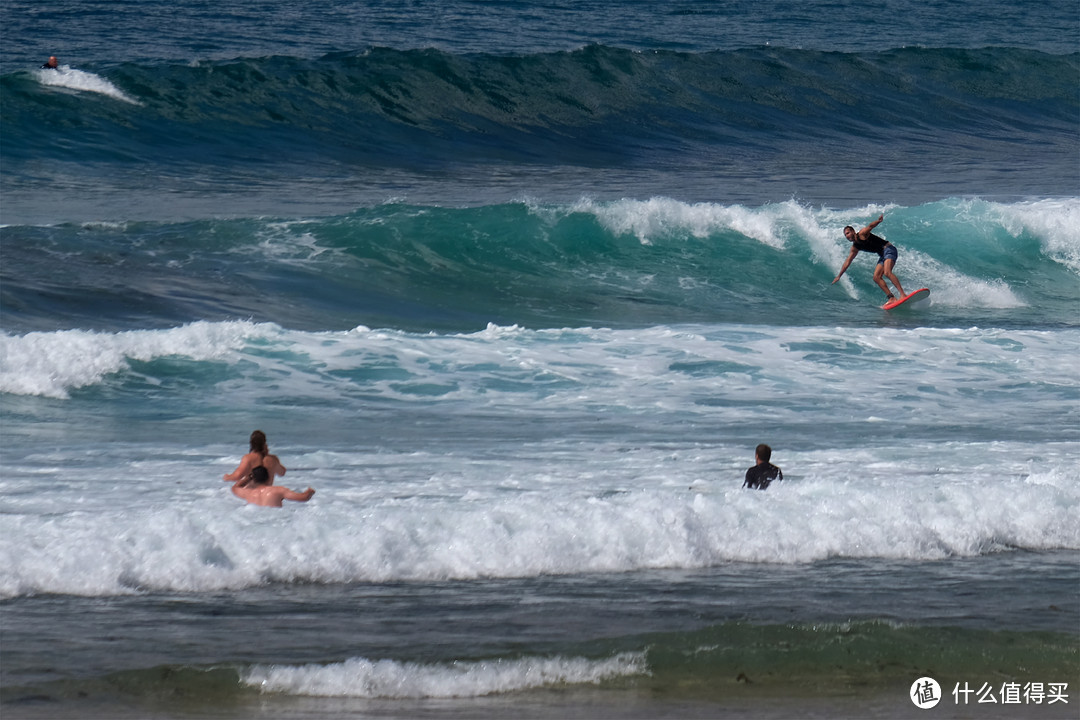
518,288
624,263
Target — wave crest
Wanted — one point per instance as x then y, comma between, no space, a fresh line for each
360,677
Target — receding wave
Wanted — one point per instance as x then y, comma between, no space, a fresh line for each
361,677
719,662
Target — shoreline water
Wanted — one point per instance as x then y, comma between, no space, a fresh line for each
518,290
826,649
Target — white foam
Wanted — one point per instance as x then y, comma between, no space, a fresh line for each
506,367
157,516
658,217
1056,222
282,242
360,677
66,77
549,509
955,289
51,364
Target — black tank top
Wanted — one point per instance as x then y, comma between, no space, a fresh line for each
872,243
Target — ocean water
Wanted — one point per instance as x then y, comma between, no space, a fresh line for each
517,287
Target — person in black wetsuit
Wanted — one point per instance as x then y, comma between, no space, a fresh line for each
51,64
763,472
869,242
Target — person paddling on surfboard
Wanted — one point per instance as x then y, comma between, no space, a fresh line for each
869,242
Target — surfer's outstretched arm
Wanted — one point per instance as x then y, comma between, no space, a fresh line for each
850,257
866,230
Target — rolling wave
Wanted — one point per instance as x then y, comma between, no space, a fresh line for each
623,263
595,106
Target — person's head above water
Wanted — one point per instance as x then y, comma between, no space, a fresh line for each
51,63
260,476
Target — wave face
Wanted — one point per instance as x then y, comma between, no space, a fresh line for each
582,264
518,288
904,124
596,105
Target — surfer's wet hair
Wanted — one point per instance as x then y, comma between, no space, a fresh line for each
764,452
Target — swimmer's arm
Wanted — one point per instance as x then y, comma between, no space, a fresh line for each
279,469
298,497
241,472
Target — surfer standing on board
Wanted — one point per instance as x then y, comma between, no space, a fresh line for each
886,251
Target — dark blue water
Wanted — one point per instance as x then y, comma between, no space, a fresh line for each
320,109
518,287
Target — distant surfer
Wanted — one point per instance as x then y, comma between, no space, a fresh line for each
869,242
51,64
259,456
764,472
257,490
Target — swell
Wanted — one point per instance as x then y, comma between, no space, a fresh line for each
626,263
597,106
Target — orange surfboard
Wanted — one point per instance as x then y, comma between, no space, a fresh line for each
917,296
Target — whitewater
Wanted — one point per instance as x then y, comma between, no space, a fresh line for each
518,288
605,451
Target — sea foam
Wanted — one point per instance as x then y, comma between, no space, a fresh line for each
566,510
51,364
361,677
71,79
